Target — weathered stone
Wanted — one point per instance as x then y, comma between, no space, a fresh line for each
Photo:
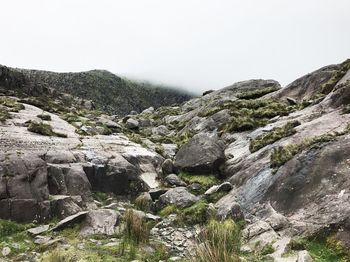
174,180
178,196
224,187
201,155
38,230
230,210
157,192
167,167
100,221
132,123
74,219
63,206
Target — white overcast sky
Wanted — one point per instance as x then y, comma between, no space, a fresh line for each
196,44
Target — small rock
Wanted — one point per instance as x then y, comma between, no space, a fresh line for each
132,123
304,256
6,251
174,180
291,101
77,218
167,167
224,187
38,230
194,187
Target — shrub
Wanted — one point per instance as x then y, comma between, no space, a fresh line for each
219,241
143,203
273,136
168,210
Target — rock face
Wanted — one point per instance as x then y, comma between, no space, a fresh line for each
34,167
201,155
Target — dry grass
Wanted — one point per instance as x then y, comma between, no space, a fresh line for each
136,228
219,241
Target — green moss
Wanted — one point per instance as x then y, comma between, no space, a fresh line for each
215,197
253,94
195,214
268,249
44,117
100,197
45,103
9,228
282,154
4,114
43,129
327,87
12,104
168,210
273,136
206,181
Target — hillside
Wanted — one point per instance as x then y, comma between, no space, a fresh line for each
251,172
109,92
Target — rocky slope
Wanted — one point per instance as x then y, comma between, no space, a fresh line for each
274,160
109,92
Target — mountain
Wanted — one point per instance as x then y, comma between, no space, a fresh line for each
250,172
109,92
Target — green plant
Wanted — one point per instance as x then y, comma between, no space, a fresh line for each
100,197
268,249
219,241
168,210
142,203
9,228
273,136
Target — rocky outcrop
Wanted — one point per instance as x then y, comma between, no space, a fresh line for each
178,196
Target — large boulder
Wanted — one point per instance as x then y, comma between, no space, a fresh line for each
201,155
101,221
178,196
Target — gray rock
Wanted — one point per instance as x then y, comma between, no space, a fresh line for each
224,187
132,123
6,251
178,196
167,167
174,180
63,206
304,256
100,221
160,130
144,201
149,110
291,101
194,187
230,210
201,155
38,230
74,219
157,192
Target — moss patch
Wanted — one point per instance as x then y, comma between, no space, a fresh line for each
43,129
4,114
206,181
273,136
253,94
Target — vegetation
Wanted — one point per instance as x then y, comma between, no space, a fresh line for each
253,94
195,214
136,228
43,129
45,117
327,87
12,104
273,136
282,154
142,203
219,241
4,114
206,181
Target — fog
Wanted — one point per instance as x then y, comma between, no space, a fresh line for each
194,44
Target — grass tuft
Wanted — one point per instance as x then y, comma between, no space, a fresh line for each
219,241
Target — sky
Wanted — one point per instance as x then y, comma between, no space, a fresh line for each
193,44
